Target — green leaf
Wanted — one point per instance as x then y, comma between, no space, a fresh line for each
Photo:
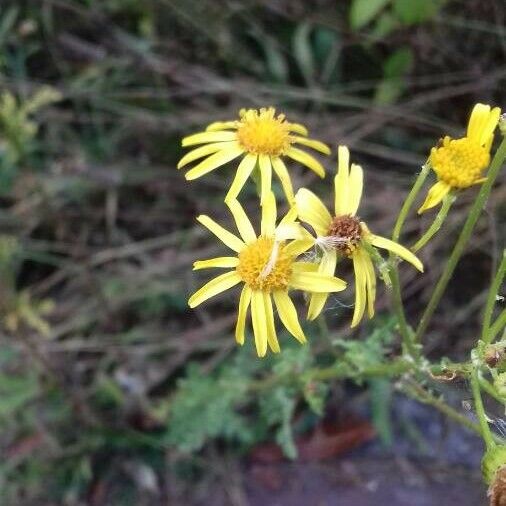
277,407
380,391
204,408
15,392
303,52
363,11
398,63
385,25
393,83
275,59
415,11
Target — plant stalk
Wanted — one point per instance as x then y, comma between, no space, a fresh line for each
464,236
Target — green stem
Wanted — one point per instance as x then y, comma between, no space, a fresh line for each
464,236
485,431
497,326
436,224
406,332
404,328
408,203
426,397
491,299
490,389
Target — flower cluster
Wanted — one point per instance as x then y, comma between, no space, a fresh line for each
272,262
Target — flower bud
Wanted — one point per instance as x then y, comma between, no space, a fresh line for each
493,460
493,468
495,354
502,123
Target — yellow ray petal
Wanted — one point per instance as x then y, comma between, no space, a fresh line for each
288,314
370,279
435,195
214,287
355,185
214,161
290,216
272,338
244,302
259,322
310,143
282,172
298,128
482,123
305,159
243,172
204,137
299,246
305,266
202,151
487,132
229,239
286,231
327,267
360,288
242,222
316,282
394,247
269,212
341,187
264,163
216,262
477,120
312,210
221,125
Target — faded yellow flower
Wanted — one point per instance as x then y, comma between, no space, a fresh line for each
343,234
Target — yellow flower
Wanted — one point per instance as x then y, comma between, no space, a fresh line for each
459,163
263,138
267,268
344,235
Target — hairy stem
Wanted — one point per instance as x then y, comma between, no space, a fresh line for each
426,397
491,300
497,326
406,332
486,434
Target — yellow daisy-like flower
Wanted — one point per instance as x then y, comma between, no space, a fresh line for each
459,163
264,139
344,235
267,267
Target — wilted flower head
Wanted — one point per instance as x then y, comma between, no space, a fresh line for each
343,234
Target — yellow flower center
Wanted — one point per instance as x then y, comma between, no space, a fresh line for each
459,162
262,132
263,265
345,233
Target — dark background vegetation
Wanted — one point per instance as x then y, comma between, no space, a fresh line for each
112,392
